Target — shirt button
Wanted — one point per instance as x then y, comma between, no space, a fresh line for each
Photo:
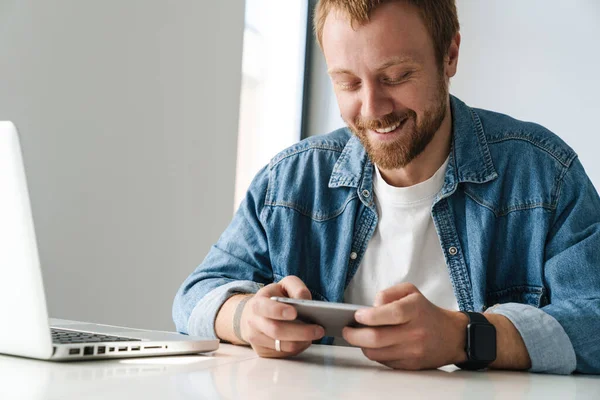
353,255
366,193
453,250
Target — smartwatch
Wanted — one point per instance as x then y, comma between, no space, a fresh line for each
480,344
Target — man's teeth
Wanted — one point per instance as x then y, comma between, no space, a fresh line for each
389,129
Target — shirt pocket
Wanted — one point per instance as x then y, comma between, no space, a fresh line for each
535,296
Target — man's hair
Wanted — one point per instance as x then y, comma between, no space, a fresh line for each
440,18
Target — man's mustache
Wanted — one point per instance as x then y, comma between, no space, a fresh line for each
382,123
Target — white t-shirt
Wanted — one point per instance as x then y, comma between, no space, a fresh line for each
405,246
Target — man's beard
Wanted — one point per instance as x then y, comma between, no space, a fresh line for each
413,140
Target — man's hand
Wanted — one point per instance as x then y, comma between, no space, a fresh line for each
265,320
407,331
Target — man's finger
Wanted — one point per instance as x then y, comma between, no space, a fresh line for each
395,313
373,338
272,289
291,331
259,339
396,353
294,288
394,293
272,309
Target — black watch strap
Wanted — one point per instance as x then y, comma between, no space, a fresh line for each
480,344
475,317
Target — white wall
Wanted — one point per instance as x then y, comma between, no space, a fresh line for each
128,114
536,60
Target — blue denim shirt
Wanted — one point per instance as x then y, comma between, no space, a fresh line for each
517,217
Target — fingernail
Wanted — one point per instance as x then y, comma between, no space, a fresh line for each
288,313
319,333
360,315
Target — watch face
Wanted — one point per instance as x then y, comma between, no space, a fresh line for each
482,342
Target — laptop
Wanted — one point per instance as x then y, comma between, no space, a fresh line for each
25,329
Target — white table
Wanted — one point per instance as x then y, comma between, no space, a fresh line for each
324,372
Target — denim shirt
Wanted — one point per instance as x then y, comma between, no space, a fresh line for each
517,217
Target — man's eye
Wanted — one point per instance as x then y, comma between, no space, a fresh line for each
347,85
398,79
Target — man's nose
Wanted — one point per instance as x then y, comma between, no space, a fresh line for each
376,102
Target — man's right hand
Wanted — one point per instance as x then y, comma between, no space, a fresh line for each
265,320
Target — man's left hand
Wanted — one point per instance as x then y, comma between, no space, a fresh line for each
406,331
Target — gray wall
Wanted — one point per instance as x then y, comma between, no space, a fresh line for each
536,60
128,114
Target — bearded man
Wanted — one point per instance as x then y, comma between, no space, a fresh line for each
444,219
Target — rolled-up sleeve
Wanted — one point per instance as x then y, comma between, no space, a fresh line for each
202,319
548,345
572,267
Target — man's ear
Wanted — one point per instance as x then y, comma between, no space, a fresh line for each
451,60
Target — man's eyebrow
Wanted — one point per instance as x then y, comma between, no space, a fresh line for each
398,61
387,64
335,71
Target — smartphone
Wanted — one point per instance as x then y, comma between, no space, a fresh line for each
333,317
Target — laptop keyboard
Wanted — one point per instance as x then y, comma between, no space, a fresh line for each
61,336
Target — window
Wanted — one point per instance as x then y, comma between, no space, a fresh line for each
272,84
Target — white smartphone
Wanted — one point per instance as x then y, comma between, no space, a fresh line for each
333,317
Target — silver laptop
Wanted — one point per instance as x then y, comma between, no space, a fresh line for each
25,329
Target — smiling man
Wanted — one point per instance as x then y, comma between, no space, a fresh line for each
473,236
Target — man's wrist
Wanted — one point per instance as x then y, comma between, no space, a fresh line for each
481,346
511,351
224,319
237,319
459,327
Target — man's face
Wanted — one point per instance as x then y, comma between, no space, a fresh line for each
391,91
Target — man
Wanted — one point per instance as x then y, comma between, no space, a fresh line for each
423,208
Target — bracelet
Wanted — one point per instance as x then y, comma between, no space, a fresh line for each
237,319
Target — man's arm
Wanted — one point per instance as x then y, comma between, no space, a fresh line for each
207,301
238,263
